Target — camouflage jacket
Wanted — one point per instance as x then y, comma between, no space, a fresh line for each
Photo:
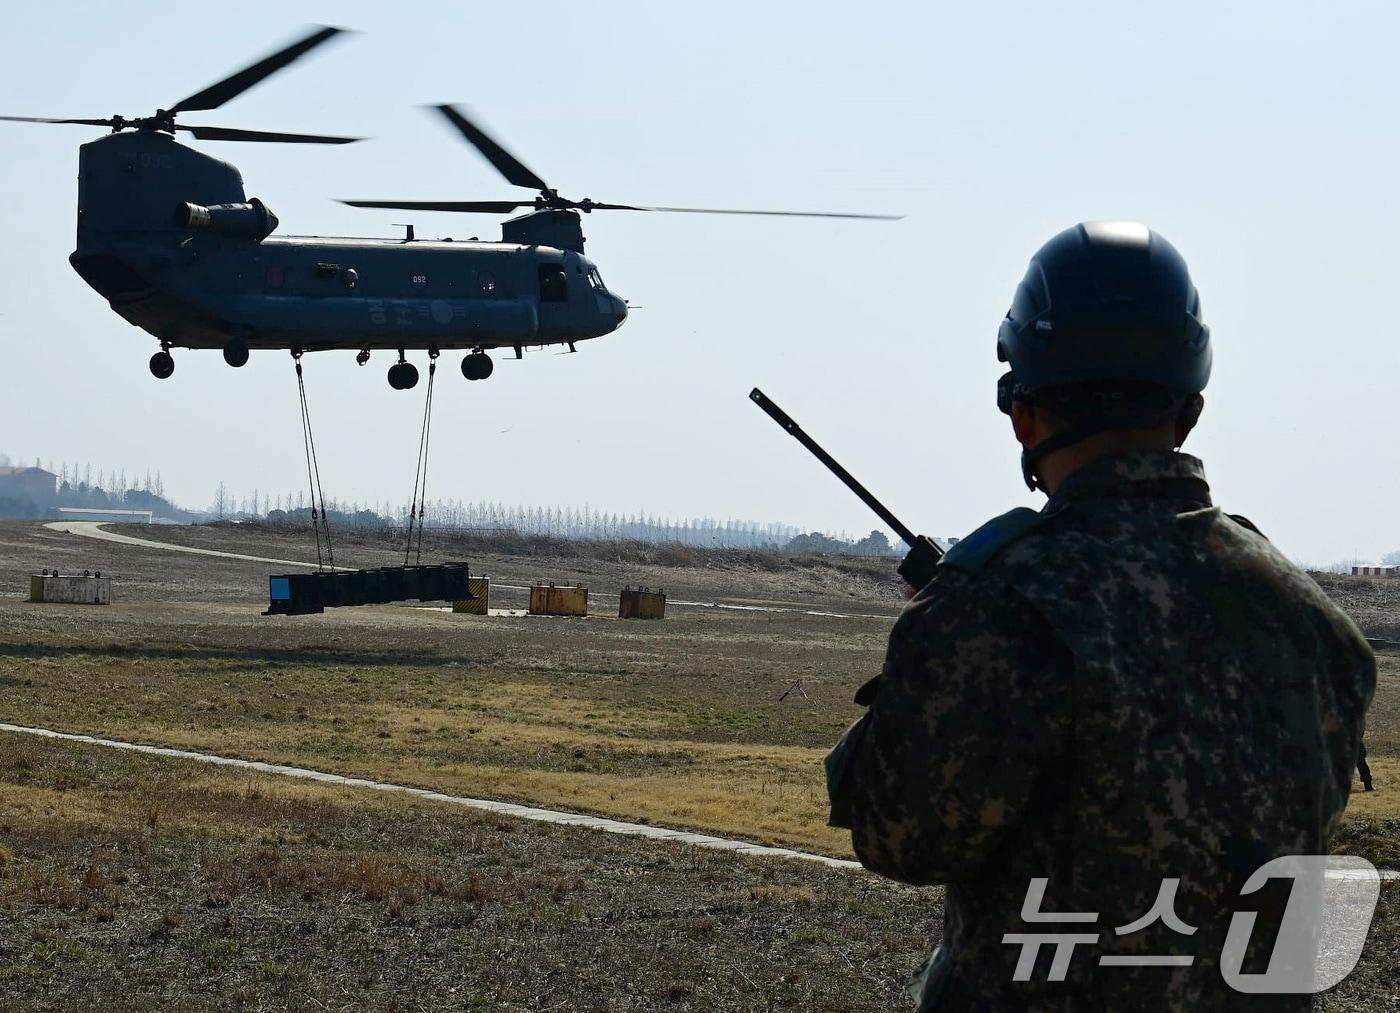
1126,686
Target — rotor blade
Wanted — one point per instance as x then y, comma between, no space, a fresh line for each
506,164
728,211
227,134
236,84
494,207
40,119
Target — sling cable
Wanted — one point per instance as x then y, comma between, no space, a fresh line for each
310,593
418,502
320,522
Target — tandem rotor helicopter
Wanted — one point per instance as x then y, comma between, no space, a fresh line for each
169,238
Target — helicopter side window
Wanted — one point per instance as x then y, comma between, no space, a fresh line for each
554,283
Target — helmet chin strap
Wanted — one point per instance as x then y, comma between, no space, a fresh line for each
1064,438
1184,413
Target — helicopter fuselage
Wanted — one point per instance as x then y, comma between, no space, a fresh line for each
168,237
313,293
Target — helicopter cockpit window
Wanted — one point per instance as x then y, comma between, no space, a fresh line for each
595,279
554,283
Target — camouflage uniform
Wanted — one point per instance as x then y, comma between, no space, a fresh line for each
1125,686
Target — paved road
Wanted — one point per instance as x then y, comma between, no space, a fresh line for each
94,529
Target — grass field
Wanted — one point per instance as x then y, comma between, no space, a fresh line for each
598,715
155,884
684,723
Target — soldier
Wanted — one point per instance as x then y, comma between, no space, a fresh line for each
1363,768
1126,686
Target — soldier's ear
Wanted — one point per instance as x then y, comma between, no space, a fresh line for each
1190,415
1026,424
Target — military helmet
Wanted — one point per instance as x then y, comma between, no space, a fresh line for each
1106,301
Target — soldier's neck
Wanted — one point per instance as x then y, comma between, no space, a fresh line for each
1058,465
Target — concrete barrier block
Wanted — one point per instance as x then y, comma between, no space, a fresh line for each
478,604
76,589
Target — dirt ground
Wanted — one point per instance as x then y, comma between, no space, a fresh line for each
732,576
123,875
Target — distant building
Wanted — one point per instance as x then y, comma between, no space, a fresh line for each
1376,570
105,516
33,485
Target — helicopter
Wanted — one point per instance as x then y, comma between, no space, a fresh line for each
168,236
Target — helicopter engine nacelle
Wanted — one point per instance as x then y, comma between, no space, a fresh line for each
252,220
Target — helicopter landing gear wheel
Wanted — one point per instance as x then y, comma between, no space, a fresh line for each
236,352
403,376
162,365
477,366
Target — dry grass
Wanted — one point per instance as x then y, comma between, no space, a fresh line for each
681,726
1383,720
198,888
305,896
263,893
1373,602
678,724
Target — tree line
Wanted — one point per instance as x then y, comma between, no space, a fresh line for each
583,523
104,489
83,487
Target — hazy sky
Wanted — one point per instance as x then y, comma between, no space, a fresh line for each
1260,138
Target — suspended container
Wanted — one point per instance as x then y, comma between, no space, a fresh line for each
299,594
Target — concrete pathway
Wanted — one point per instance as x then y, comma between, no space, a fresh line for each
94,529
523,812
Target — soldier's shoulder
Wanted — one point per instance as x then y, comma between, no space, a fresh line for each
1247,566
972,554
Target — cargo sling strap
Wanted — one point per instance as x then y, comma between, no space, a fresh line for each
418,502
319,521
